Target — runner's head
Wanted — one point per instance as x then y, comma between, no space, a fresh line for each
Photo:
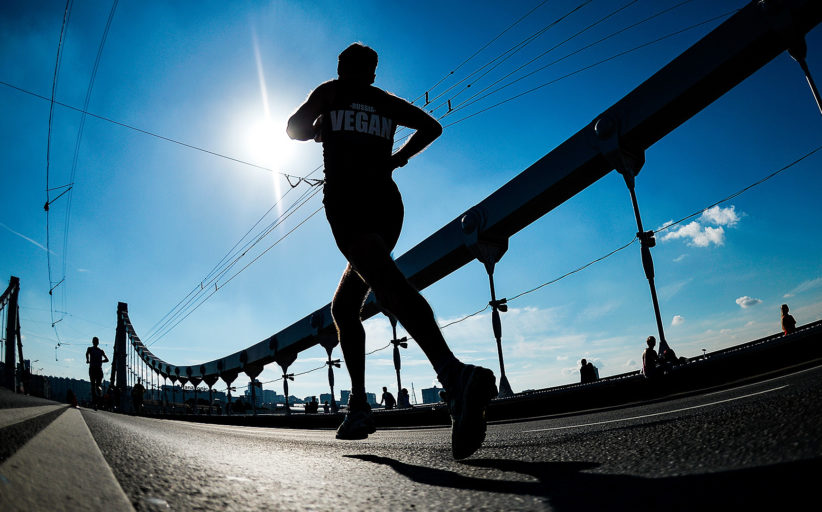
357,63
95,341
651,341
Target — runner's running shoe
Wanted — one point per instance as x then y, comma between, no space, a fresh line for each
357,424
469,390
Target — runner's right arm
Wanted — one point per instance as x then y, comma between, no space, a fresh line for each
427,130
302,124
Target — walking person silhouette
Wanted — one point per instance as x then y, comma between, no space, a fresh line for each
356,122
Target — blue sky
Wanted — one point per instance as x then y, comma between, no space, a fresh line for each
149,218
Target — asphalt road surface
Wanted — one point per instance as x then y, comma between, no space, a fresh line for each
756,446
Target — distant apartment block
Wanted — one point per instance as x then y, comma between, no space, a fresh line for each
345,394
431,395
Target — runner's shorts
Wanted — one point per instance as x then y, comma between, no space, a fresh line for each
357,211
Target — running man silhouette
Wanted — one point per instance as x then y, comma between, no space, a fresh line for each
356,122
95,357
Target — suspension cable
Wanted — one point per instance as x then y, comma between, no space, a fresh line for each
479,51
585,68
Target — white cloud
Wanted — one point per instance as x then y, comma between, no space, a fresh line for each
720,216
697,235
680,258
678,320
24,237
669,290
746,302
805,286
599,310
700,233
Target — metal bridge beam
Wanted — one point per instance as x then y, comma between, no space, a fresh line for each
713,66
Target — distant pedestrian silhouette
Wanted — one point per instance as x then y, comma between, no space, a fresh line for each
403,402
788,322
587,371
667,358
137,393
593,372
71,398
388,398
650,361
95,357
356,122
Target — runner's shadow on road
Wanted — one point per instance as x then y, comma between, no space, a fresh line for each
571,486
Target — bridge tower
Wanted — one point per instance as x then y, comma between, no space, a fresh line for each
118,366
9,301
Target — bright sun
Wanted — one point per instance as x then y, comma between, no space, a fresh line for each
269,146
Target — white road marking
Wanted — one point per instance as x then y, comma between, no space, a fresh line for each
778,377
656,413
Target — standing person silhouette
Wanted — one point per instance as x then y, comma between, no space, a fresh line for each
388,398
356,122
788,322
650,360
95,357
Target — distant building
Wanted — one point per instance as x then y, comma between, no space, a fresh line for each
345,394
258,393
326,397
217,396
270,397
431,395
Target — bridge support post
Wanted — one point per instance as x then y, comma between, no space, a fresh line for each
489,251
228,377
401,342
799,50
183,382
173,380
253,371
286,377
195,381
210,380
628,162
332,363
328,340
285,360
164,394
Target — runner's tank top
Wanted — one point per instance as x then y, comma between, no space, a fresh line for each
358,135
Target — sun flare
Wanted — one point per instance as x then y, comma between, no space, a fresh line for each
269,146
